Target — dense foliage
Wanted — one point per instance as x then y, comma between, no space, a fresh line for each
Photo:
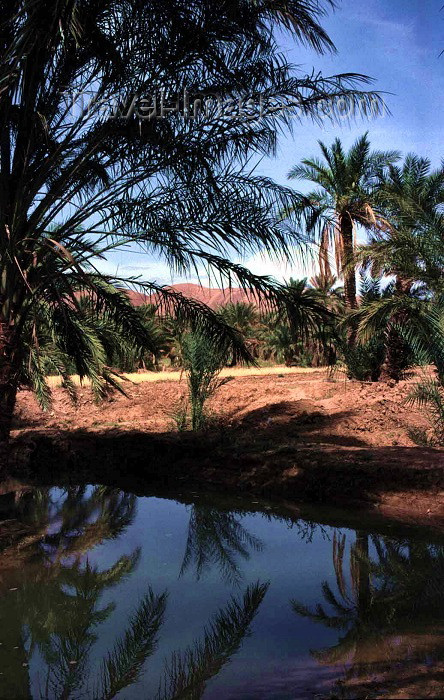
88,165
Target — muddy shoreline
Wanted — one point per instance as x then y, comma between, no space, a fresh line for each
297,437
405,484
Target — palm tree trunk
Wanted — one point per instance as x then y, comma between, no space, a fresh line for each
8,381
346,232
398,352
396,357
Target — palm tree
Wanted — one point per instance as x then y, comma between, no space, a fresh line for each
410,249
120,351
328,339
202,363
328,287
412,329
241,315
244,317
278,342
285,341
365,360
85,169
411,323
428,395
345,198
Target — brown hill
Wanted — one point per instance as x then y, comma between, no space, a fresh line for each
212,297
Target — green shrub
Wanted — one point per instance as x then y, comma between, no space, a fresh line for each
179,417
364,361
202,362
429,395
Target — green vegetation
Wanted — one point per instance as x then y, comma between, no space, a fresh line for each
202,362
142,127
429,394
347,196
86,171
181,188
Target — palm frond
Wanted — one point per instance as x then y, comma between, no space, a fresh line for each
428,395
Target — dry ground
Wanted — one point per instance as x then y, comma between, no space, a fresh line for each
305,401
291,433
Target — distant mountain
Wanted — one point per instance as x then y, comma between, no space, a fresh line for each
212,297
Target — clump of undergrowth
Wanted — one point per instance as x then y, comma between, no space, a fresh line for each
364,361
429,396
180,417
202,362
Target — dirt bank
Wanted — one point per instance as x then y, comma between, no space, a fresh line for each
297,436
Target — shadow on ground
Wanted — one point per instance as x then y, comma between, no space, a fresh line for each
301,420
283,449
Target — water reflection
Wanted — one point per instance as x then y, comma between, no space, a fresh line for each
217,538
43,525
369,606
187,673
49,591
51,604
389,612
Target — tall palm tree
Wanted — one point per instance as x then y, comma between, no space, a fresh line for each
411,249
86,169
345,198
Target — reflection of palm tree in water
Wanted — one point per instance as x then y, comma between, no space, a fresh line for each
43,526
217,538
48,594
391,611
55,605
352,608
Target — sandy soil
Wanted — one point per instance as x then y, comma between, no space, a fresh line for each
335,411
177,376
288,433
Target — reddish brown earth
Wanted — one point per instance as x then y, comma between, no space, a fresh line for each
298,436
309,406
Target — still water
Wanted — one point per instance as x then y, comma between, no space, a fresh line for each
104,594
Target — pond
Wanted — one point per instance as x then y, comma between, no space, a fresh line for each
105,594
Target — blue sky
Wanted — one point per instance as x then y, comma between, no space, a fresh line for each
398,43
